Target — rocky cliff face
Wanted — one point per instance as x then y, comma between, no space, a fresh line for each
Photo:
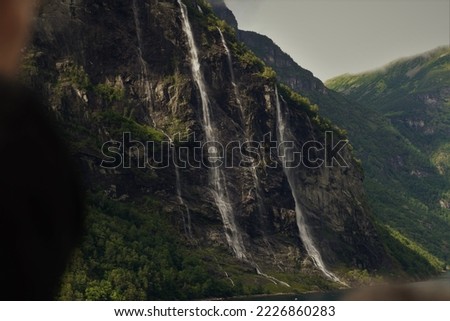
107,67
223,12
299,79
410,96
288,71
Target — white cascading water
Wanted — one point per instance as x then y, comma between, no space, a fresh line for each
186,220
146,85
230,64
305,235
257,185
217,178
144,67
254,173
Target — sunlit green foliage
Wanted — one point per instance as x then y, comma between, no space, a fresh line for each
118,124
406,107
109,93
132,252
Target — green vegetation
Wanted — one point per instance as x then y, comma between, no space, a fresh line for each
176,129
268,73
209,21
73,75
312,110
118,124
285,67
131,252
226,29
109,93
362,278
402,137
441,159
250,61
29,64
410,257
416,248
416,75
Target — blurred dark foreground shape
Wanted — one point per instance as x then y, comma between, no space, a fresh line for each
435,290
40,199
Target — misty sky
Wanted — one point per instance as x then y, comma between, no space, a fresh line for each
332,37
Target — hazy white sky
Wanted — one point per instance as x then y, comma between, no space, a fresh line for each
332,37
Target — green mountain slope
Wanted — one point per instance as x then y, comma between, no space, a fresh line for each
412,94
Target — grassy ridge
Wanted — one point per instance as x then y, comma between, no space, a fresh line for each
411,191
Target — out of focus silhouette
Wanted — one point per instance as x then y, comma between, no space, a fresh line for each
433,290
40,200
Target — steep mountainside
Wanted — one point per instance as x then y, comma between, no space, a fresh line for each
147,71
299,79
413,94
400,200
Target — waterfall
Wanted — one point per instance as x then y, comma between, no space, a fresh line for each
146,84
186,220
217,179
144,67
305,235
253,170
256,182
233,79
271,278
